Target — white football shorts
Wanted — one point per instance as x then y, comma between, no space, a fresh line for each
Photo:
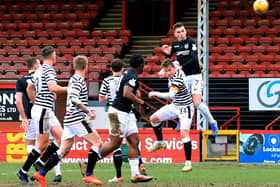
170,112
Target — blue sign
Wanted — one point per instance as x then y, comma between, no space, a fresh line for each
259,148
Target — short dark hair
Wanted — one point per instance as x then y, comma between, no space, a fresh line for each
136,61
166,63
30,62
80,62
47,52
117,65
178,25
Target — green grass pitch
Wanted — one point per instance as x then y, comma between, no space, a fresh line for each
203,174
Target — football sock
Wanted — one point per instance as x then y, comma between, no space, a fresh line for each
53,147
158,131
32,157
187,147
93,157
53,160
134,166
117,157
57,169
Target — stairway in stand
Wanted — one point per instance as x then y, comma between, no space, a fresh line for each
143,45
112,19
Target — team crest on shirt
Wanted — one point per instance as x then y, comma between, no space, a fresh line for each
186,46
132,82
194,48
174,88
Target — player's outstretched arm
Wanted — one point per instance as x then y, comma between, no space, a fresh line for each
163,95
166,49
54,87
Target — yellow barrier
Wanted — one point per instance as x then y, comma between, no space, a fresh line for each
228,154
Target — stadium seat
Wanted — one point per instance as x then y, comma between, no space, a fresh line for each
227,74
82,51
109,50
62,42
97,34
126,33
258,49
94,50
48,42
101,59
103,42
93,75
152,59
82,33
10,43
214,74
27,51
69,33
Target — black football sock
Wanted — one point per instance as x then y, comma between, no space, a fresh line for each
32,157
53,160
158,132
188,150
53,147
118,162
93,157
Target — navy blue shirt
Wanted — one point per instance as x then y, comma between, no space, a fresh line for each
21,86
186,52
128,78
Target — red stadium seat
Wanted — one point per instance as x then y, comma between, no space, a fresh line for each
109,50
101,59
97,34
82,33
30,34
51,25
48,43
55,33
27,51
227,74
82,51
65,50
152,59
10,43
93,75
93,50
69,33
103,42
237,58
111,34
89,42
214,74
24,26
62,42
33,42
125,33
11,26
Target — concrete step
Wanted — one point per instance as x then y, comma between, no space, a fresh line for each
115,10
110,24
113,14
144,46
107,28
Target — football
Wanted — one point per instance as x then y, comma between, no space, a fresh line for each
260,6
